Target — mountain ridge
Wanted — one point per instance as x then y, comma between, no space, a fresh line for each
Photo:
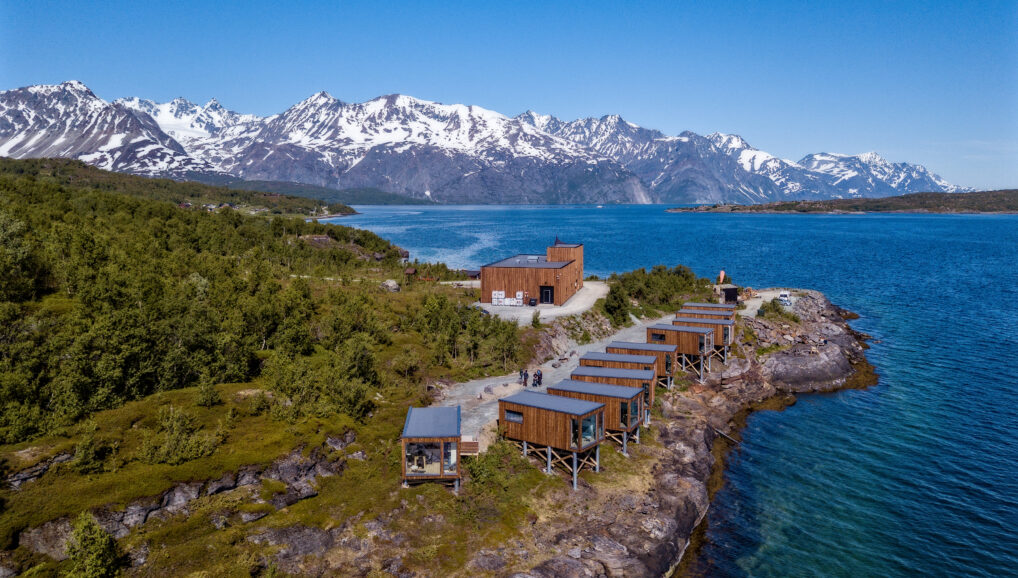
447,153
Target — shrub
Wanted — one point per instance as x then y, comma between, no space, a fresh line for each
91,452
616,305
178,439
535,320
773,309
208,395
91,550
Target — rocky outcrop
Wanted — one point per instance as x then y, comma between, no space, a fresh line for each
295,470
16,480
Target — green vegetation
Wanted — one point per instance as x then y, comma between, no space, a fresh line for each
109,297
92,551
654,291
1003,201
773,309
354,196
71,173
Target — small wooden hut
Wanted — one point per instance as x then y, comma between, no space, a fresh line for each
642,378
704,314
623,406
694,345
724,332
665,353
619,360
563,431
730,307
430,440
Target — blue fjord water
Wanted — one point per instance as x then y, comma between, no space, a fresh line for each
916,475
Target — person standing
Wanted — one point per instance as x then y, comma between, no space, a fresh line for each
526,376
521,378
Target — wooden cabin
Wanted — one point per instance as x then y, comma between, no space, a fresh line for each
623,406
555,428
642,378
619,360
551,278
710,306
665,353
724,329
694,345
704,314
431,440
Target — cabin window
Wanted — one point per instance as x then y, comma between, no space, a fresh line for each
574,429
646,393
702,343
424,459
513,416
588,430
450,458
634,411
727,329
625,413
657,336
600,426
668,363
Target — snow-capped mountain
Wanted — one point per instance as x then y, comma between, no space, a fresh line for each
448,153
68,120
186,121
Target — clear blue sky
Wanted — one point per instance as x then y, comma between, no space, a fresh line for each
934,83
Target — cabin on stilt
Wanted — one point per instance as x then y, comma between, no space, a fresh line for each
666,365
724,333
704,314
430,440
559,430
694,345
643,378
618,360
729,307
623,407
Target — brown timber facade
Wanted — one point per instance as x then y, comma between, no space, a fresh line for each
623,407
551,278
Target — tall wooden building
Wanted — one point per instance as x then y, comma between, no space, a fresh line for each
623,406
551,278
555,426
724,332
642,378
431,440
666,365
694,345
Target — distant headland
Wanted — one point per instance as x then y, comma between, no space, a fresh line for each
1003,201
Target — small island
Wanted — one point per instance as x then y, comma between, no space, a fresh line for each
1003,201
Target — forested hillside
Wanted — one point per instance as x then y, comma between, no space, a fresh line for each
78,174
107,297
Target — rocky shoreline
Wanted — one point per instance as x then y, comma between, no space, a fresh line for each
638,517
649,533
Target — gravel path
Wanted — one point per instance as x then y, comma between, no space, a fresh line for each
480,408
583,300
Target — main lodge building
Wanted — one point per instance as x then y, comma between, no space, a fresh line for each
551,278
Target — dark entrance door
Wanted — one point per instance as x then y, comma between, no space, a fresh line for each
547,294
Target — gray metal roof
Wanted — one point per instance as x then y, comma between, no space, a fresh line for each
432,422
711,321
603,389
662,347
586,370
553,402
621,357
710,305
717,313
528,262
683,328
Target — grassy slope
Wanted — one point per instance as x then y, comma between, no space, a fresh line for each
1003,201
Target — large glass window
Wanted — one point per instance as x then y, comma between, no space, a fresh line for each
625,413
668,363
588,431
513,416
727,329
646,393
424,459
574,433
450,458
634,411
657,336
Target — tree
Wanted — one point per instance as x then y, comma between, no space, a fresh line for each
208,395
616,305
92,551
